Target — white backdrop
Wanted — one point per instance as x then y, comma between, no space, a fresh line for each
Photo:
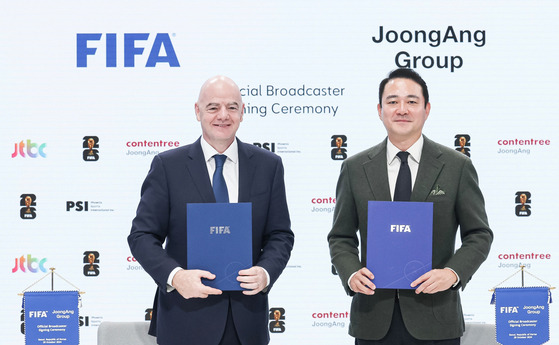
501,92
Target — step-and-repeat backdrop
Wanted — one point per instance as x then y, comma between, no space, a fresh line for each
90,91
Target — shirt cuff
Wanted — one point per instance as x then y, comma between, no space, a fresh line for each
170,279
457,277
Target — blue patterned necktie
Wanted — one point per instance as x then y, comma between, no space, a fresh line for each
219,186
402,192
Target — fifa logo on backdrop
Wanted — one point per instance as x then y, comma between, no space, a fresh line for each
91,145
462,143
522,199
88,43
91,267
27,203
339,143
276,317
33,150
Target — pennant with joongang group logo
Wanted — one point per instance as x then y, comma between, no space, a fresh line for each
522,315
51,317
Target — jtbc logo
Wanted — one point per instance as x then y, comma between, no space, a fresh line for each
91,145
276,325
91,259
32,149
462,143
266,146
27,210
339,152
130,49
523,198
77,206
20,264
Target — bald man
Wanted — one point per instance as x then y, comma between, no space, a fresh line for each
185,310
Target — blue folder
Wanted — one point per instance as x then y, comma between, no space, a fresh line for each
219,240
399,242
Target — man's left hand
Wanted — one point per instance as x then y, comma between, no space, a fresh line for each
253,279
434,281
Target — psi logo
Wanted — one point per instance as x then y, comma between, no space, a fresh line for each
27,203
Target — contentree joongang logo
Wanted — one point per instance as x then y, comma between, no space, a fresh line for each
144,148
517,146
29,149
128,49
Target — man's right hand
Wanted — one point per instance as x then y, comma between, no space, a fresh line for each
189,284
361,282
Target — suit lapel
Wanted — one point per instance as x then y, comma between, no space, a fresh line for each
429,169
246,171
196,167
376,173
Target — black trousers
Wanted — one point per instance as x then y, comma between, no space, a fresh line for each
399,335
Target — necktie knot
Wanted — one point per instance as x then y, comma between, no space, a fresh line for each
403,155
219,160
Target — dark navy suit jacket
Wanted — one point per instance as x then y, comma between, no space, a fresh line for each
178,177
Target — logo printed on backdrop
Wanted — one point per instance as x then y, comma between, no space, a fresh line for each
516,146
266,146
434,38
148,314
323,204
29,264
330,319
28,211
126,44
133,264
91,261
339,143
522,199
462,143
91,146
30,148
277,317
143,148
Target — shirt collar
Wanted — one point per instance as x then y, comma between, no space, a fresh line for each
414,151
232,151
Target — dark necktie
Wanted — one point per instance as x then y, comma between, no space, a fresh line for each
403,183
219,186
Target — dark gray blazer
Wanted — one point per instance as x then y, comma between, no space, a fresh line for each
448,179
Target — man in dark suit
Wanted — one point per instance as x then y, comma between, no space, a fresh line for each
185,310
430,312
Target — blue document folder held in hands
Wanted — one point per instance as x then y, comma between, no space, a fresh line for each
219,240
399,242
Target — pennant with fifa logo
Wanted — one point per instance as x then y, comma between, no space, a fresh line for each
51,317
522,315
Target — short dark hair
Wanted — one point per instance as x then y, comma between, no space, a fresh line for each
406,73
